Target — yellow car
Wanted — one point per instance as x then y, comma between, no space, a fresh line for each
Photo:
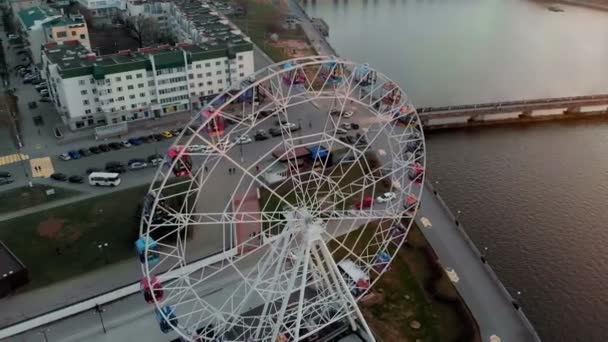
166,134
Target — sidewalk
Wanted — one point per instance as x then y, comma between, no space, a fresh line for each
483,293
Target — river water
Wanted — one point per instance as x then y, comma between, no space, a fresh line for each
535,195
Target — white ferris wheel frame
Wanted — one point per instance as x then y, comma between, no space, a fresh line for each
308,253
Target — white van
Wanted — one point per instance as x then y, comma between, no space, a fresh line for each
104,179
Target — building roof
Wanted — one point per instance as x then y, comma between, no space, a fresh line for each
29,16
65,21
9,263
74,60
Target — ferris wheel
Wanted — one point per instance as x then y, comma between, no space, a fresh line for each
300,184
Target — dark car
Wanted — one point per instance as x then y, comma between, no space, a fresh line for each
281,122
264,113
144,139
176,131
104,148
135,141
4,181
74,154
351,139
189,131
116,167
275,131
45,99
153,157
94,150
260,135
84,152
136,160
115,145
152,138
158,137
59,177
93,169
5,174
76,179
354,125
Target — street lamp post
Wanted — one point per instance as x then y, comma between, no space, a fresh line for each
102,248
457,217
99,310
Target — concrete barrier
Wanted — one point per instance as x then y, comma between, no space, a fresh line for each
107,297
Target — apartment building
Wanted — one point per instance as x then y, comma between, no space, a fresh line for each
103,8
90,90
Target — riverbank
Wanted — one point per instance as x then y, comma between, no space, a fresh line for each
594,4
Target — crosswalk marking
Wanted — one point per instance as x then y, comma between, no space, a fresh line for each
42,167
13,158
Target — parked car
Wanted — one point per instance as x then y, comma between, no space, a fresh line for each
5,174
135,141
137,164
93,169
275,131
155,159
152,138
74,154
386,197
95,149
176,131
348,114
354,125
341,131
84,152
188,132
76,179
166,134
104,148
281,122
65,156
199,148
144,139
126,144
37,81
44,92
12,36
45,99
158,137
40,86
115,145
59,177
242,140
260,135
21,52
116,167
4,181
364,203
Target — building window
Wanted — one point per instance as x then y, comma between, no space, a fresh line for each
82,36
129,77
123,107
73,33
218,63
130,87
81,82
240,58
85,102
226,62
91,80
220,81
142,94
191,76
220,90
199,75
192,85
201,84
240,66
219,72
210,92
119,89
209,83
109,91
141,85
242,74
117,79
138,75
83,92
120,98
131,97
62,34
96,99
151,83
133,106
198,66
207,65
87,111
94,90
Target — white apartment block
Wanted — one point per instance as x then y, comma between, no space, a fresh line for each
103,8
90,90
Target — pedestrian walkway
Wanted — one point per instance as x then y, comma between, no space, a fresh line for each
42,167
13,158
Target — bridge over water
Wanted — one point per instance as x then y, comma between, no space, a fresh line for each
493,113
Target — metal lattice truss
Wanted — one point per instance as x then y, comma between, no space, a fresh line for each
298,205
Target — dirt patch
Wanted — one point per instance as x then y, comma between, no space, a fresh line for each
51,227
293,47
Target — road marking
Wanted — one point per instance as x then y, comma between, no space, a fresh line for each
426,223
13,158
42,167
452,274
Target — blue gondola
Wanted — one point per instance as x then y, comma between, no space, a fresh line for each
152,255
382,260
397,231
412,146
364,76
332,72
166,318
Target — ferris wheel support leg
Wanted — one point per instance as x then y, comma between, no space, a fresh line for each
302,292
335,274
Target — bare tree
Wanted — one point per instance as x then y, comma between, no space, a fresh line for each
144,29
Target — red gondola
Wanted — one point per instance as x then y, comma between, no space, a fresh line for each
295,76
392,94
410,203
215,127
152,289
183,166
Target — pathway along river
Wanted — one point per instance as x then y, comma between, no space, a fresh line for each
535,196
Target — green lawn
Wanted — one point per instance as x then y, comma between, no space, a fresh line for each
26,197
410,292
59,243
